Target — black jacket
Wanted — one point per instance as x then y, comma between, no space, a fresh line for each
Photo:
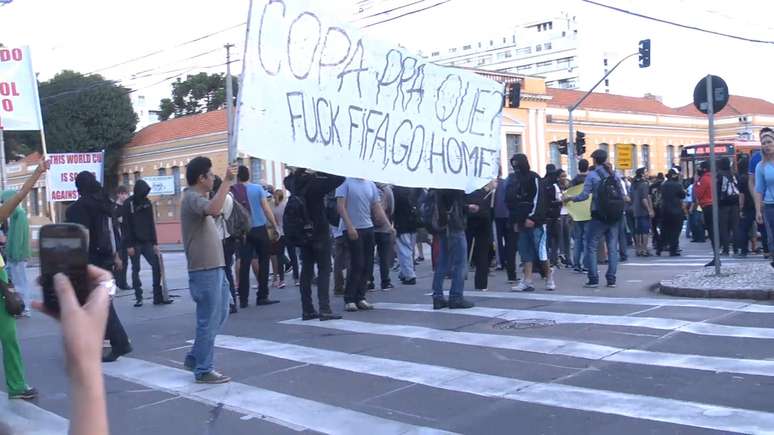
483,199
672,195
452,209
524,201
406,214
314,187
139,223
94,211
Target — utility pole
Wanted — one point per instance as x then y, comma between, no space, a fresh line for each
230,107
714,171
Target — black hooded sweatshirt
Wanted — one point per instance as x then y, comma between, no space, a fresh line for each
314,187
139,222
93,210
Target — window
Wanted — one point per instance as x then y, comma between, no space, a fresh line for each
564,34
538,47
547,45
125,179
605,61
501,55
466,47
176,176
646,156
505,40
670,156
550,25
491,43
545,64
635,160
513,144
514,39
453,50
162,171
524,67
525,50
607,82
256,170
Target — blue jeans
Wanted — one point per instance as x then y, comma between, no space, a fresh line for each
579,231
209,289
768,219
406,243
452,258
596,230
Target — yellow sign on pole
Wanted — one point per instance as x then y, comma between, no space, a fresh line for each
624,156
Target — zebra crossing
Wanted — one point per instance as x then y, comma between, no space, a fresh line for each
384,371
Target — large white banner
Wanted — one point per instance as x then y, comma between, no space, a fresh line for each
316,94
19,105
60,178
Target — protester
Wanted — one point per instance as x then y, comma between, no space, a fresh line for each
642,209
17,251
764,186
728,205
580,227
702,193
278,262
140,240
452,246
607,208
257,242
655,220
528,200
672,213
479,233
623,230
313,188
506,237
341,260
358,200
93,211
406,224
229,235
384,235
565,221
15,382
204,254
122,194
553,213
746,231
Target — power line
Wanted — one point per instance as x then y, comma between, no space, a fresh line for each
182,44
684,26
407,14
392,10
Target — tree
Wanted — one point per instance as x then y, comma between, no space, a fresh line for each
84,113
198,93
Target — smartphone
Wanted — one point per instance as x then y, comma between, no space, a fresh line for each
63,248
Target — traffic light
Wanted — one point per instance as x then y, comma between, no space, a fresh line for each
514,94
561,145
645,53
580,143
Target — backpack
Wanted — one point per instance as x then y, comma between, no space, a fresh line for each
610,199
331,209
239,192
430,213
553,205
728,193
296,222
238,222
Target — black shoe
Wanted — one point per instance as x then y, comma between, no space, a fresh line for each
387,286
370,285
114,354
329,316
28,394
123,286
611,284
591,284
138,303
712,263
166,302
623,259
420,259
310,316
232,309
265,302
243,305
674,254
460,304
439,303
412,281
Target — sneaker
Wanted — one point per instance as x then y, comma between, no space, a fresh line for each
189,365
28,394
232,309
440,303
364,305
420,259
212,377
482,289
455,304
523,286
550,284
412,281
387,287
350,307
370,285
591,284
611,284
138,303
297,283
281,284
114,354
265,302
309,316
328,316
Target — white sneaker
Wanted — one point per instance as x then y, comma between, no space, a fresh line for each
523,286
550,284
350,307
364,305
483,289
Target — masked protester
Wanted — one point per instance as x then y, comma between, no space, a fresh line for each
672,214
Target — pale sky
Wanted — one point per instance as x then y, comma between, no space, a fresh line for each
88,35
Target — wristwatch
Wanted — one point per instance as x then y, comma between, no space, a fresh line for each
110,286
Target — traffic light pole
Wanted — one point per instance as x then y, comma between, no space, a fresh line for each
571,157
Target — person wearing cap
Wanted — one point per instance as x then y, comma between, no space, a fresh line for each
672,214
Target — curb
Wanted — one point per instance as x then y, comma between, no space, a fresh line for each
757,294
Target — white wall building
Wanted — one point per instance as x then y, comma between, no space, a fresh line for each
147,114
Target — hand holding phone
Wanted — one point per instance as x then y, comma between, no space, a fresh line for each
64,249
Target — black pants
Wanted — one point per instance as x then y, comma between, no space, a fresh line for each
385,248
479,240
256,243
501,226
114,330
121,281
293,257
361,258
553,235
319,253
278,250
707,212
229,249
728,221
671,226
145,249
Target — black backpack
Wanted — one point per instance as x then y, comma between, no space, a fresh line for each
238,223
430,213
610,199
298,227
332,209
728,192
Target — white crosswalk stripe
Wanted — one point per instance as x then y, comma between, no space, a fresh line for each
549,346
558,395
295,411
24,418
698,328
656,302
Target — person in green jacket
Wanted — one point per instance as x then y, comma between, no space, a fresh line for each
17,250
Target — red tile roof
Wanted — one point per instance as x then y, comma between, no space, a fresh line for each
183,127
602,101
737,105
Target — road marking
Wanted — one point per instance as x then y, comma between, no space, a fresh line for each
250,400
22,417
550,346
698,328
564,396
665,302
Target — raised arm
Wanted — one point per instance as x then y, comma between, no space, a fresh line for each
8,206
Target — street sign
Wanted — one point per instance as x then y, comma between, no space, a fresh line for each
161,185
719,94
624,156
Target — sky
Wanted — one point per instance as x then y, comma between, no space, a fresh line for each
95,35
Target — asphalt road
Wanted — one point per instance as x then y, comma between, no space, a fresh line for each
573,361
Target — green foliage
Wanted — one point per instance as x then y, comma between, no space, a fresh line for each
198,93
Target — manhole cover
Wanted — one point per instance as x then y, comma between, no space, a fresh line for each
524,324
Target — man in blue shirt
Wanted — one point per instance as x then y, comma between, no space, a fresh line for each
764,185
597,227
257,242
